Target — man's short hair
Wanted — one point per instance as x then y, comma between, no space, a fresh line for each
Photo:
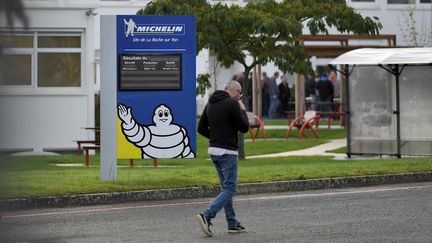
232,85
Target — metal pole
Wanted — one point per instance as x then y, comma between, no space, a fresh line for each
342,93
108,110
397,112
347,110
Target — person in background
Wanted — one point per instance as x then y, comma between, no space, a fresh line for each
249,92
264,94
310,90
317,79
273,94
284,96
239,77
333,79
223,117
325,90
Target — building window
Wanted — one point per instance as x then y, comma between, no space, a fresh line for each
425,1
401,1
41,59
16,41
15,69
59,69
59,41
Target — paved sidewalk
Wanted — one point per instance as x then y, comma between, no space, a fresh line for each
317,150
197,192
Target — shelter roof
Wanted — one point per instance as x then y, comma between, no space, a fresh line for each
385,56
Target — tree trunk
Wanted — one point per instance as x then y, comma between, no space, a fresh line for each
256,91
245,87
299,94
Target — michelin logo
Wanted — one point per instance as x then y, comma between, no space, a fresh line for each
131,28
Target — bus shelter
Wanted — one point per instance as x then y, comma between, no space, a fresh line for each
389,100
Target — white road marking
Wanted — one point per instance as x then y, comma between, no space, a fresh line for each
350,191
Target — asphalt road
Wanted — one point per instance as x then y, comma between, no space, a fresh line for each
392,213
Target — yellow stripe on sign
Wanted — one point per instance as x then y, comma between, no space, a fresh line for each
125,149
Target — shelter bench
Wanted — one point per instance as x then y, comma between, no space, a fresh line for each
87,148
255,123
330,115
81,142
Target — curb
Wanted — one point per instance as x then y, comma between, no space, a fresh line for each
196,192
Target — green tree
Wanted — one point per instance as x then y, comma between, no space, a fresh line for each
13,9
413,33
269,31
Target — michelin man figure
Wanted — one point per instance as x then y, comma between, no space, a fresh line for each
163,139
130,27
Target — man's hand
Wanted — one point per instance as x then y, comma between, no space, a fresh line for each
242,106
124,113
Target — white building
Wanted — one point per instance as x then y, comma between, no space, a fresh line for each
49,72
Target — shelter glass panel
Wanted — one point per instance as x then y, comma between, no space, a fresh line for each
372,101
415,106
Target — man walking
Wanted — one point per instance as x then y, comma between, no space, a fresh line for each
223,117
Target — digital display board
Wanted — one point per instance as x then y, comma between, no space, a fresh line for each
150,72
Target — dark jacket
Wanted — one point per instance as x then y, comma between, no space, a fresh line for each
284,93
310,87
221,121
325,89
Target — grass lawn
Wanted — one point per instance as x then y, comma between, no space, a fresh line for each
324,133
38,176
342,150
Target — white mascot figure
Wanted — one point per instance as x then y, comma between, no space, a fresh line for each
130,27
161,140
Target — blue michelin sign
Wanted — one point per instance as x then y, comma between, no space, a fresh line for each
143,29
156,87
132,28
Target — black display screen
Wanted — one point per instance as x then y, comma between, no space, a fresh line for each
150,72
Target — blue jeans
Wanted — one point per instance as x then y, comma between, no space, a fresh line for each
226,167
274,102
325,104
314,104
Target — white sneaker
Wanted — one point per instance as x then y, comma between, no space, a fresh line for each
205,224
